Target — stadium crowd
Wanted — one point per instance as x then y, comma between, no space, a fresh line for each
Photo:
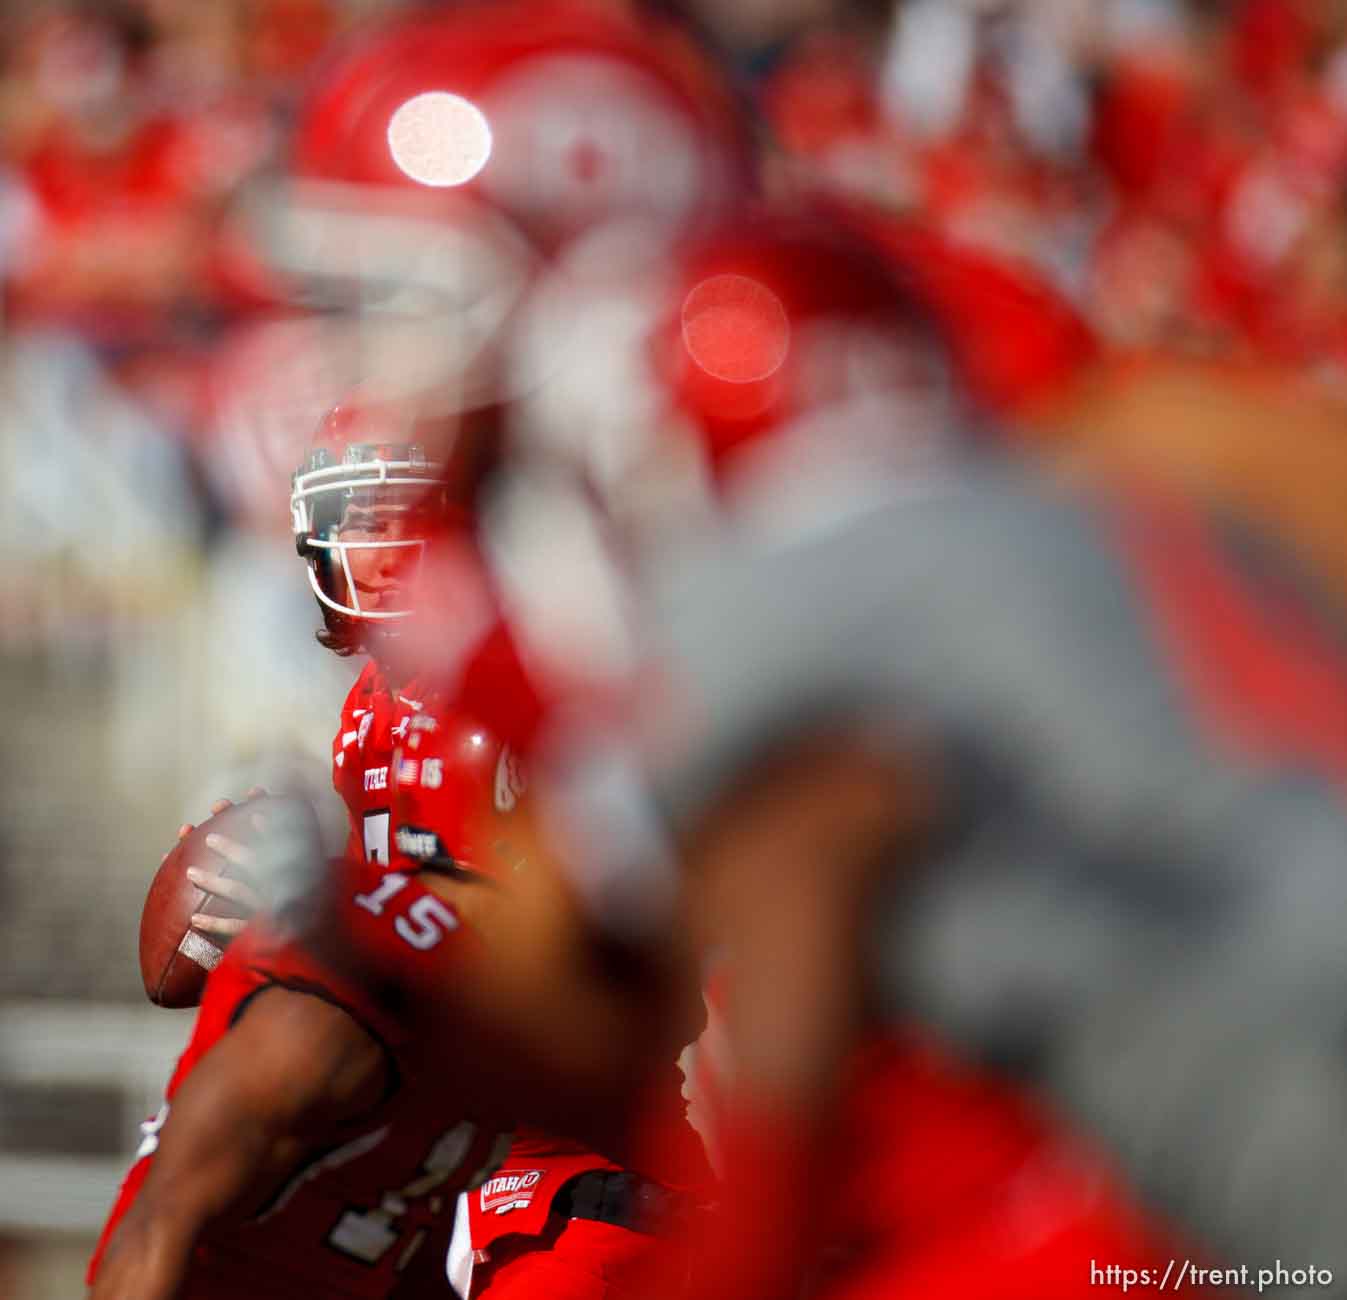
1171,174
877,469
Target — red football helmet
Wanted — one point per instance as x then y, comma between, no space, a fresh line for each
790,323
441,156
762,378
376,487
550,116
659,375
758,373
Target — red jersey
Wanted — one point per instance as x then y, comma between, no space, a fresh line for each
1259,648
374,721
932,1179
456,788
382,1189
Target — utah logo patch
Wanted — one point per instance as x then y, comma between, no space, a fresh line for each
511,1189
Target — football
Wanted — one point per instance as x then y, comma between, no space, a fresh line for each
175,959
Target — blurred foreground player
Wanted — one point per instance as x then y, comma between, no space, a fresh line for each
945,748
1135,903
935,761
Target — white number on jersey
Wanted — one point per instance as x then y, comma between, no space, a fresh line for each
433,921
374,901
425,922
368,1235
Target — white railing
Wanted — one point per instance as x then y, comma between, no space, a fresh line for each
67,1044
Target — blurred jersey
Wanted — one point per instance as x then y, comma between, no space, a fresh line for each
1256,442
935,1178
1140,741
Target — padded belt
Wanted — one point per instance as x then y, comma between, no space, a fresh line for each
624,1199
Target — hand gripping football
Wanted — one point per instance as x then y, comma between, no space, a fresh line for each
174,958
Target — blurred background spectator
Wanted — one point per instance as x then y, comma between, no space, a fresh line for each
1150,190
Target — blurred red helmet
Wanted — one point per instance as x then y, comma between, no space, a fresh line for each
550,115
1015,339
771,327
758,372
798,326
441,157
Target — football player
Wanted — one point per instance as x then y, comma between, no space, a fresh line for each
557,118
340,1086
561,119
413,769
802,380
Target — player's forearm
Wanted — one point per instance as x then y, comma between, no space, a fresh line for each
191,1182
214,1171
209,1157
147,1259
213,1150
792,866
